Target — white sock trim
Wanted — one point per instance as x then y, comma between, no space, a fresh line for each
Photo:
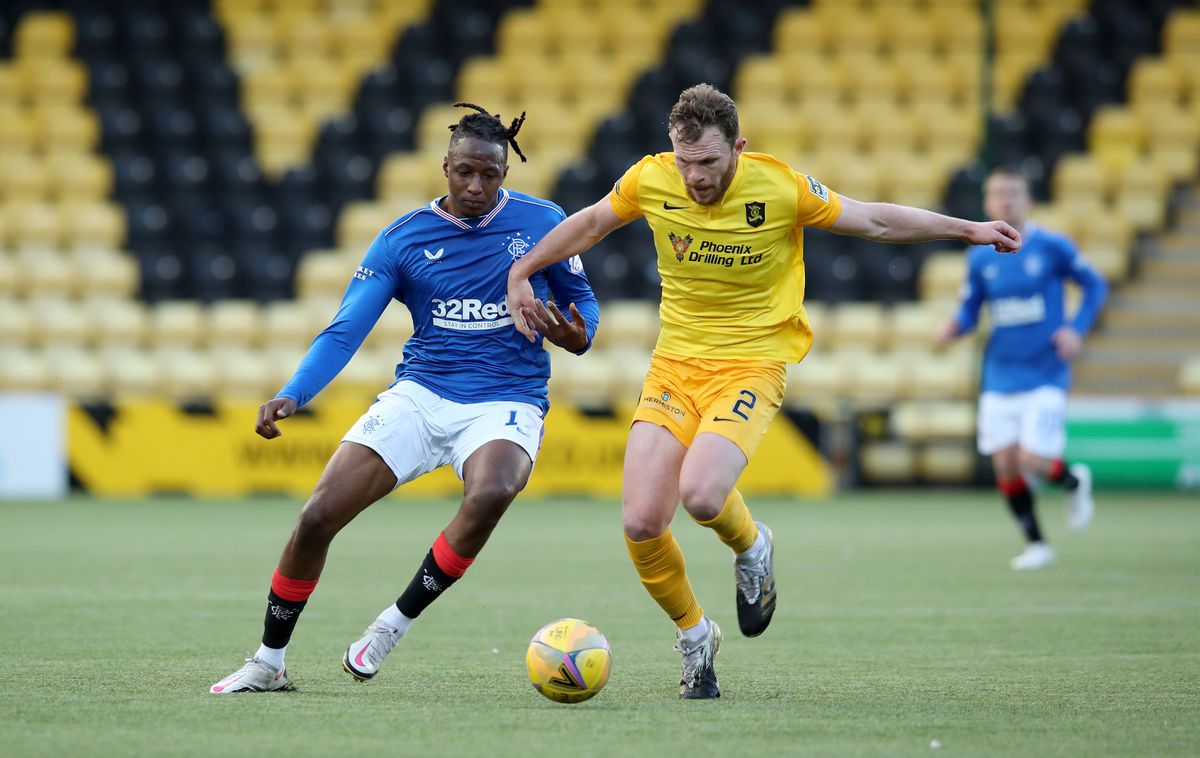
754,551
393,618
694,634
271,656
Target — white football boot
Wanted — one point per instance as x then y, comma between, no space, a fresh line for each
364,657
1036,556
1080,504
255,676
699,680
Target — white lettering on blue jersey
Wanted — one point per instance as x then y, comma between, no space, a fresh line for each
1024,293
452,274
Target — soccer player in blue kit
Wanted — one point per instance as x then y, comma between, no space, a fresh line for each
1027,362
471,391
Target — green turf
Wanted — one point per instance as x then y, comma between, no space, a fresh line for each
899,623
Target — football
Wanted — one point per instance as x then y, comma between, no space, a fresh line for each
568,660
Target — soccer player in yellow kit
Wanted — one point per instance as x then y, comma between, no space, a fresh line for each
728,230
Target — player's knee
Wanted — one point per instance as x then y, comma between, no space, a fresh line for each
702,500
643,526
484,504
317,523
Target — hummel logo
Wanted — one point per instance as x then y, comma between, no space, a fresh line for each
435,256
667,207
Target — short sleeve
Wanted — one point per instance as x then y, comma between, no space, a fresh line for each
624,195
816,204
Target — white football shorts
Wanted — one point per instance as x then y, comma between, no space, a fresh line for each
1035,420
416,431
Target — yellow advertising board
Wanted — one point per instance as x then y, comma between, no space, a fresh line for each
151,446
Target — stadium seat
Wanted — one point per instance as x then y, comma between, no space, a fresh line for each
241,372
392,330
946,463
233,324
628,323
887,462
44,34
933,420
23,370
118,322
187,375
1189,376
129,372
859,326
75,372
59,322
177,324
942,275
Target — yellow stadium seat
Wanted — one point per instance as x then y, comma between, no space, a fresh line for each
233,323
628,324
888,462
1146,213
59,82
1110,260
176,324
12,90
18,129
303,34
759,77
797,29
859,325
79,176
814,382
24,370
75,372
942,275
1107,230
906,30
585,386
36,225
8,279
44,34
16,319
944,376
1141,177
1080,174
947,463
322,275
118,322
286,323
957,28
833,129
187,375
1182,31
241,373
129,372
59,321
522,29
268,87
914,325
360,222
392,330
1189,376
1154,80
105,273
924,420
924,78
1178,163
877,381
67,128
23,177
1170,128
1115,136
93,222
253,42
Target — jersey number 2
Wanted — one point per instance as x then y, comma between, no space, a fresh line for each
746,399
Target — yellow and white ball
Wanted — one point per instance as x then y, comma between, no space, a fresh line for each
568,660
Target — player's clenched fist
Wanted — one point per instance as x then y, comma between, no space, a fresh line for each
999,234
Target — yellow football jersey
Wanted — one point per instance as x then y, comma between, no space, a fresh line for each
732,273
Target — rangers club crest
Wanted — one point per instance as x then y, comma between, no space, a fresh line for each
518,245
681,244
756,213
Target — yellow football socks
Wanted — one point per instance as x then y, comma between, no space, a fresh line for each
733,524
659,563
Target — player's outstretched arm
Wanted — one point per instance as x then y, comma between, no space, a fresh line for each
885,222
576,235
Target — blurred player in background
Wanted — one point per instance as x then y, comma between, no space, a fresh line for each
471,393
1027,363
728,229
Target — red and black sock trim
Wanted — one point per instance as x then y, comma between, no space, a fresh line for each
1020,502
1060,473
284,603
441,568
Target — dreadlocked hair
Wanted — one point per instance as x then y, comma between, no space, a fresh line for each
485,126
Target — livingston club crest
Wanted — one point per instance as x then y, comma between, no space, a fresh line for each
681,244
756,213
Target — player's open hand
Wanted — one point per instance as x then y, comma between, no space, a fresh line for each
520,303
998,234
1068,342
554,326
270,412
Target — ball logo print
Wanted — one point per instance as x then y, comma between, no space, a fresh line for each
568,661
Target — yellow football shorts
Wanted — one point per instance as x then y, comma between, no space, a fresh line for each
733,398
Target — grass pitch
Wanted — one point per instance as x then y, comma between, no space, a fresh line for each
899,623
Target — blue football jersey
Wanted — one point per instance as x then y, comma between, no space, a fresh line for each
1024,294
452,274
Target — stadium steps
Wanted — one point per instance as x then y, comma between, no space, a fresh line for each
1152,326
